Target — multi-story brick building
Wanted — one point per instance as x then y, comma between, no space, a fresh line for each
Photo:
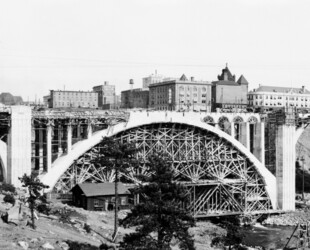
76,99
106,95
180,94
229,94
135,98
266,97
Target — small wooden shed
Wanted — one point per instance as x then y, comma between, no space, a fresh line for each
100,196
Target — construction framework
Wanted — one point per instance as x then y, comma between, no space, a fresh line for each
219,178
65,128
5,123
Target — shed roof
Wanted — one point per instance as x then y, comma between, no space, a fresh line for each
101,189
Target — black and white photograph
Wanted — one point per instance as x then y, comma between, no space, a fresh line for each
154,124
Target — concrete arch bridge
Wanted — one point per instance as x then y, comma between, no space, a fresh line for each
231,163
221,175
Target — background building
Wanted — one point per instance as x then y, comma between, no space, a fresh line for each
154,78
106,95
229,94
73,99
46,100
135,98
9,99
181,94
266,97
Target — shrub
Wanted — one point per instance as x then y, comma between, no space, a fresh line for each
9,199
87,228
65,215
44,208
7,188
105,246
74,245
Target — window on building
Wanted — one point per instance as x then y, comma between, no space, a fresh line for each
96,203
204,89
123,201
203,101
195,88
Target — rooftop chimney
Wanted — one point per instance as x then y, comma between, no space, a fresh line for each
303,89
106,83
192,79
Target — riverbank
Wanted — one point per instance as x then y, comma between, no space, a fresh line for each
300,216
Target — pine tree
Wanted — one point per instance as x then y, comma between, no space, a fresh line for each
159,217
35,187
116,156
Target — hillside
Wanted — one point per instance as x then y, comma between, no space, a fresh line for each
57,234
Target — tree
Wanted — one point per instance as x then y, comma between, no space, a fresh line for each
159,217
35,187
116,156
233,237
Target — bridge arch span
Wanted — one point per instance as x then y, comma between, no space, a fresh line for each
188,122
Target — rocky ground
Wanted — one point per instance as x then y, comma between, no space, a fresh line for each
51,233
300,216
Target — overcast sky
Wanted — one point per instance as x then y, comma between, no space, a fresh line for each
49,44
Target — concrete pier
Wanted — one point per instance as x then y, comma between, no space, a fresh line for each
19,144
